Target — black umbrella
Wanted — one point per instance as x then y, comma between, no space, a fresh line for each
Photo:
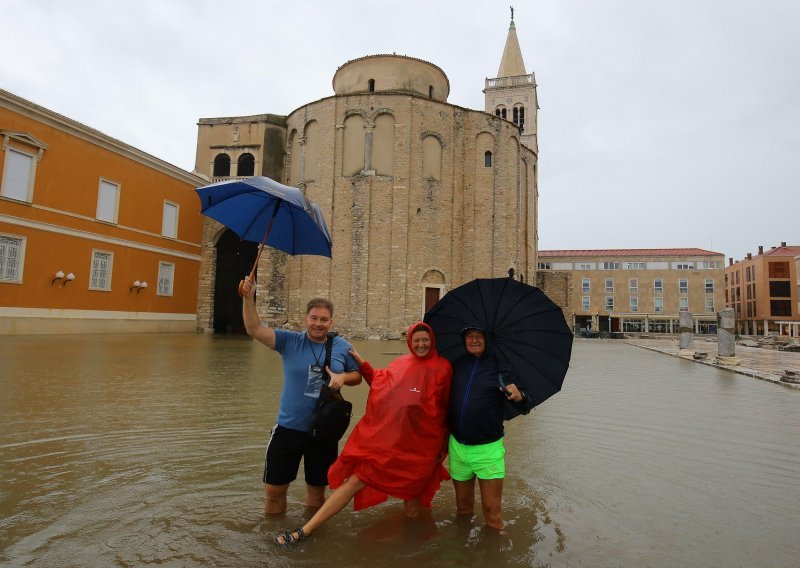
525,328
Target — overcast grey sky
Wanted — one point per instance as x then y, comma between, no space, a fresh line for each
663,123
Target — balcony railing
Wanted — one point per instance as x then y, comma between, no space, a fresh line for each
509,81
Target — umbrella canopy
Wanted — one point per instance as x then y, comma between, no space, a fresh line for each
264,211
524,327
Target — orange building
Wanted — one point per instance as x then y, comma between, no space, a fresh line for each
95,235
763,290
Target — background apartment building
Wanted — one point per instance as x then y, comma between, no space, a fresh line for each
95,235
641,290
764,291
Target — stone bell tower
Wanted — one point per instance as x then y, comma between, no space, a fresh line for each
512,94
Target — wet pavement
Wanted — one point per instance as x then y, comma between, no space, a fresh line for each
142,450
757,362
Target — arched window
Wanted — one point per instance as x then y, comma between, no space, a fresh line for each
487,159
246,165
521,117
500,111
430,91
222,165
372,85
516,116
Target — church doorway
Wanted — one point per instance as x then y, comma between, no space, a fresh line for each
235,259
431,297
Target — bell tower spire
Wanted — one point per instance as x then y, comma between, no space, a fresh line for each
512,94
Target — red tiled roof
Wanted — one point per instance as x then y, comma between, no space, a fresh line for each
627,252
783,251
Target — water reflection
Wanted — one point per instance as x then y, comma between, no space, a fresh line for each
137,450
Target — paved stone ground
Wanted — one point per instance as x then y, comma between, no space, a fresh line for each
758,362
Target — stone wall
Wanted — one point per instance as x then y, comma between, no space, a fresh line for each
558,287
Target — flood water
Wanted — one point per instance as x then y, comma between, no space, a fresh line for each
133,450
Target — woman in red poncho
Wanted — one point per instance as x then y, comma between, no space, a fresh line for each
398,446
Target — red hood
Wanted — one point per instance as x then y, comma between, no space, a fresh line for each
417,327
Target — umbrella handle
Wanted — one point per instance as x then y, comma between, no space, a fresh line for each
252,276
248,278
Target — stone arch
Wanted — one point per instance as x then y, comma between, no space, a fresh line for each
222,165
434,286
432,156
353,144
295,156
234,260
311,153
246,165
383,144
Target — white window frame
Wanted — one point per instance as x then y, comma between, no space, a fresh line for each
634,303
5,191
165,220
109,271
609,285
709,304
633,285
13,275
658,285
586,266
683,304
658,304
611,265
635,266
543,266
586,285
683,285
609,303
102,201
162,290
585,302
709,285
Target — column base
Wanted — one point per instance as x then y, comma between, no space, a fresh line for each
730,361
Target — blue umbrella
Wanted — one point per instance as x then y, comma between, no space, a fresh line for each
261,210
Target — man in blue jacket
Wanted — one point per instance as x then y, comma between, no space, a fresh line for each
482,387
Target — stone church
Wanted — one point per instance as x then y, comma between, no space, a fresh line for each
419,195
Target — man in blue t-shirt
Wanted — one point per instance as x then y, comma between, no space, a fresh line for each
303,355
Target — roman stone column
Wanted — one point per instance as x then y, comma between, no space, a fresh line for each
726,338
685,328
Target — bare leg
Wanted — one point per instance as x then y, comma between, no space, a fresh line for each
335,503
465,496
411,507
275,498
315,496
492,502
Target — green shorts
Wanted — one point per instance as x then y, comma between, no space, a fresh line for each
487,461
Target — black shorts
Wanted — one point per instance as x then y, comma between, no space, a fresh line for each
285,449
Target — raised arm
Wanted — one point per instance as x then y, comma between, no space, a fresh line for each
252,322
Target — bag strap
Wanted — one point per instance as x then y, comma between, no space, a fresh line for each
323,393
328,351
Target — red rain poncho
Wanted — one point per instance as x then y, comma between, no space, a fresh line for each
397,448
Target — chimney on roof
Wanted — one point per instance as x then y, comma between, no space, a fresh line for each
760,249
749,255
730,261
783,243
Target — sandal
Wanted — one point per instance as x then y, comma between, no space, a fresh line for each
289,539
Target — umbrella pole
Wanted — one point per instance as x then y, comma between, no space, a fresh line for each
251,277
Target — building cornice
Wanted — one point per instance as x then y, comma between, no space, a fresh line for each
46,116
